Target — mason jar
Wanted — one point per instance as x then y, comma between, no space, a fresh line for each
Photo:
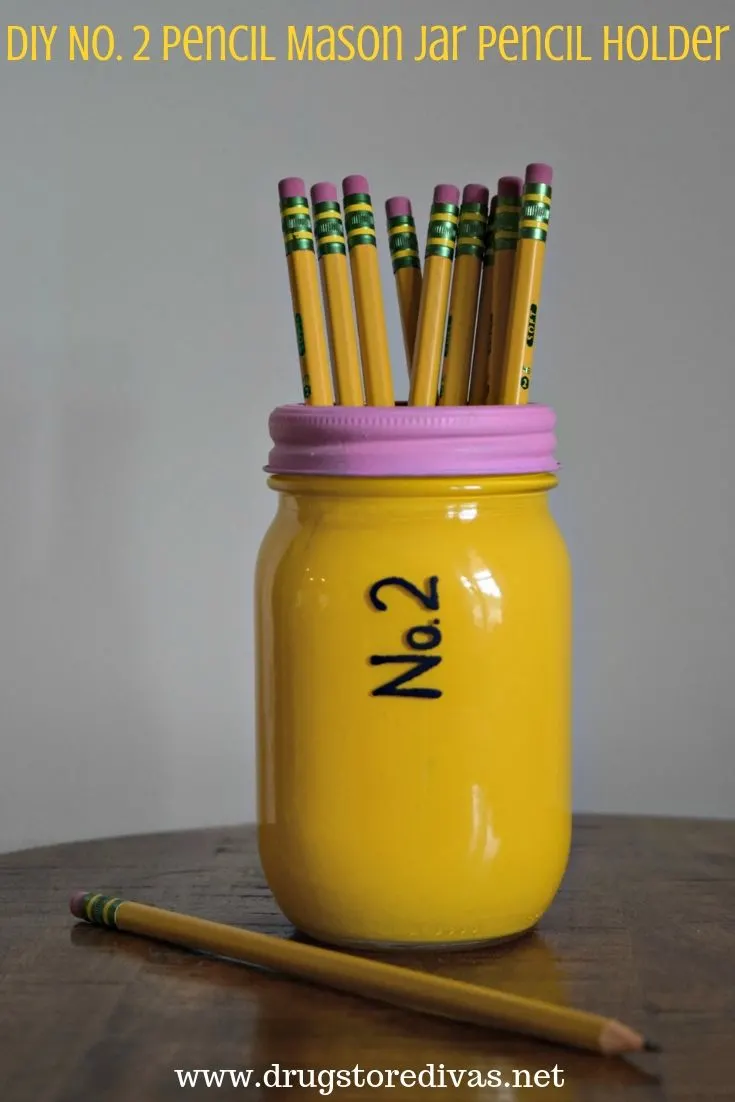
413,622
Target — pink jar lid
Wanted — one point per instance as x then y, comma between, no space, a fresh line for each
405,441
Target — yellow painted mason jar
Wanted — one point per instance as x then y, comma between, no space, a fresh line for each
413,620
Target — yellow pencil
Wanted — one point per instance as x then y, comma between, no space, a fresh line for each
404,251
298,238
533,228
332,252
484,324
388,983
505,242
440,242
463,302
361,242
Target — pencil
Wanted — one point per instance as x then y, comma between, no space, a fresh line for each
484,324
526,296
332,252
403,987
404,252
463,301
298,238
440,242
505,242
362,245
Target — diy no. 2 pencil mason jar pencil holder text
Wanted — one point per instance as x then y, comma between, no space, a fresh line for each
413,618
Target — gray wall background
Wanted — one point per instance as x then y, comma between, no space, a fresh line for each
146,335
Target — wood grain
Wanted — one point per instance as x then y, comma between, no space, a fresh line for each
643,930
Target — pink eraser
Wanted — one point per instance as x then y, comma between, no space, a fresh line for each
76,905
355,185
475,193
291,187
399,204
509,187
446,193
539,174
324,193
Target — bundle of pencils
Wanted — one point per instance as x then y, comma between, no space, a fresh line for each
469,320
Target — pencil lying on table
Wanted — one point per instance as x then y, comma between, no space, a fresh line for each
419,991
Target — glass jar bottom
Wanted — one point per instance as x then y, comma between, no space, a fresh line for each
365,946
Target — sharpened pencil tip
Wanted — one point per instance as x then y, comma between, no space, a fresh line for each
651,1046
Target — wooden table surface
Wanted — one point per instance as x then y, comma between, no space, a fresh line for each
643,930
